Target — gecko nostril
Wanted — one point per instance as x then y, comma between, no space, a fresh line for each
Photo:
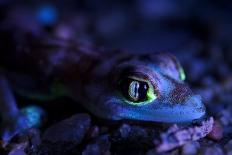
201,109
196,102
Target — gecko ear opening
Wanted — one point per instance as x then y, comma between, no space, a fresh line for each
170,66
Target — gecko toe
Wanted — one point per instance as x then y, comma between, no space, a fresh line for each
27,118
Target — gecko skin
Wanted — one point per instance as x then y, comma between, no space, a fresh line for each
112,85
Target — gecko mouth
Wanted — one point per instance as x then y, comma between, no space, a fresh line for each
190,111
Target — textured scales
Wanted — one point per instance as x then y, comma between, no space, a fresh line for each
44,67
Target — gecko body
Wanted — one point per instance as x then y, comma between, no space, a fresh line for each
111,84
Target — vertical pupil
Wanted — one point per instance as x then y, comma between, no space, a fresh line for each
143,91
134,90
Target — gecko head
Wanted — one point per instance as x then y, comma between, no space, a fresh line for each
152,88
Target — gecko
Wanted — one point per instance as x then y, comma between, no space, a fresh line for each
110,84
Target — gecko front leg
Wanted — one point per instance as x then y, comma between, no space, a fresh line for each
14,120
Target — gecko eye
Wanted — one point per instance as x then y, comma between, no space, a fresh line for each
137,91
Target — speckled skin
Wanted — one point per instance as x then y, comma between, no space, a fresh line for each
44,67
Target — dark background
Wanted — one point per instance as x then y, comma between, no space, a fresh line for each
198,32
140,25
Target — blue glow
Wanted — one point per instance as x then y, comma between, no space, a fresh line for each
47,14
30,116
33,115
6,136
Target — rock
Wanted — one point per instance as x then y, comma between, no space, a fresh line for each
215,150
93,132
154,152
226,116
71,130
124,130
35,138
17,152
24,142
63,137
133,139
151,152
132,132
101,146
18,149
190,148
228,148
217,132
177,136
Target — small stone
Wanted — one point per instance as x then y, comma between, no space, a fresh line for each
215,150
132,139
190,148
35,139
17,148
125,130
31,136
71,130
23,142
228,148
100,146
17,152
154,152
217,131
93,132
151,152
225,116
177,136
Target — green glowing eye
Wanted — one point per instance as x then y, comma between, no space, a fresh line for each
137,91
182,74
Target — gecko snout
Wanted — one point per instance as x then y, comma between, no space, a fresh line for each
197,106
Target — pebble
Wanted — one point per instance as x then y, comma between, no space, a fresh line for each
190,148
217,132
93,132
225,117
124,130
18,149
101,146
228,147
70,130
25,141
153,152
213,150
17,152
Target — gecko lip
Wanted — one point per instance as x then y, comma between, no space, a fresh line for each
192,109
180,113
